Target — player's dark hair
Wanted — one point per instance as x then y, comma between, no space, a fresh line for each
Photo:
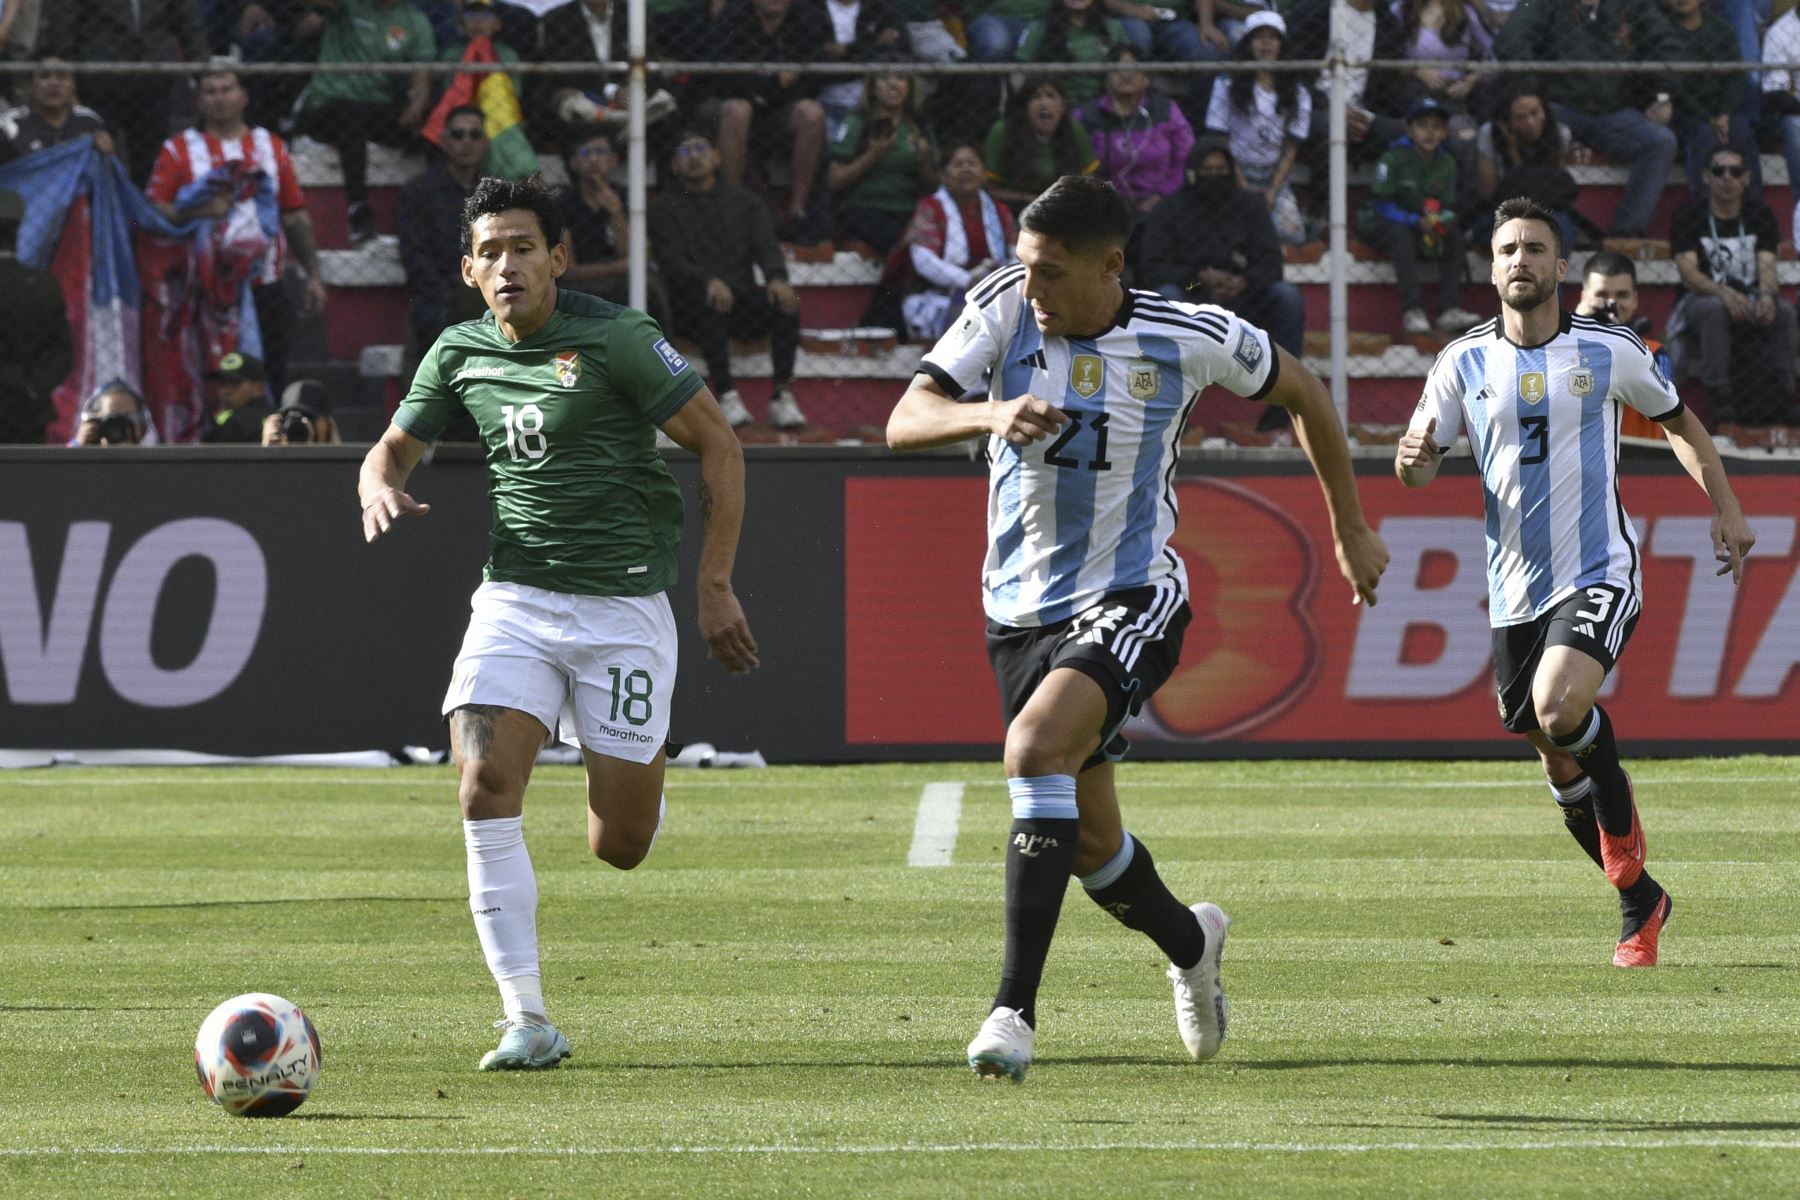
1081,212
1524,208
493,196
1609,262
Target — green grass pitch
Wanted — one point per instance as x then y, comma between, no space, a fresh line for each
776,1003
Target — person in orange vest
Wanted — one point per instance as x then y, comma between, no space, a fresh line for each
1609,293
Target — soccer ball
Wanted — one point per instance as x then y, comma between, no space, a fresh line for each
257,1055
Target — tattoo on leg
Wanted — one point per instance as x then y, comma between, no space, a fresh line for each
706,504
474,729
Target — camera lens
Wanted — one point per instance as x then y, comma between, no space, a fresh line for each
117,430
295,426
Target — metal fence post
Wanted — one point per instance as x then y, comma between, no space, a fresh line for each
637,237
1339,186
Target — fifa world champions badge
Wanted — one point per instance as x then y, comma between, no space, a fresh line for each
568,367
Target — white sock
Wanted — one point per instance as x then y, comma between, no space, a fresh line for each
503,901
662,811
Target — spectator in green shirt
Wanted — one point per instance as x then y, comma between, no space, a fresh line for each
1035,144
348,110
995,26
1410,212
882,160
1076,31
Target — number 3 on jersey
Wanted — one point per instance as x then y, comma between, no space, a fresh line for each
1532,436
524,432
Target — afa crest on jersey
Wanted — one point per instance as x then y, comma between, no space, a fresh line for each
568,367
1143,380
1581,381
1086,374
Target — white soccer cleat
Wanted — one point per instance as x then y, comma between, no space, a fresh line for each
784,410
732,405
1002,1050
1199,1000
526,1046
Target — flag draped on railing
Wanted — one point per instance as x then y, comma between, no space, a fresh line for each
124,270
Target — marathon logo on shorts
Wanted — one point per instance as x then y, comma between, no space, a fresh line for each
568,367
671,357
1249,352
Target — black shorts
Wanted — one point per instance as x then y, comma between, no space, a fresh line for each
1129,643
1596,620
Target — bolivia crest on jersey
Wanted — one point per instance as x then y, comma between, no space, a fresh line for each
568,367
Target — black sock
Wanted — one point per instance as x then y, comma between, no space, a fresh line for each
1578,815
1138,899
1593,744
1040,855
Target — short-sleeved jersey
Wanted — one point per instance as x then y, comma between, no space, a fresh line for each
1543,422
192,154
1090,510
582,501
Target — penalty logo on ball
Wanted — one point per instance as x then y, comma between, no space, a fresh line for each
257,1055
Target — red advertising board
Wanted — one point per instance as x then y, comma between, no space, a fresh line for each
1278,654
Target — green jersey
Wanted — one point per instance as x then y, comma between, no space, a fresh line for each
365,31
582,500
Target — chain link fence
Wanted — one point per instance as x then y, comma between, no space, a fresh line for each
1324,169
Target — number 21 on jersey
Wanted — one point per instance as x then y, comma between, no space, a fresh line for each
524,431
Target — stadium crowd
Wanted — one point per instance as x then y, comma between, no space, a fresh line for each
926,175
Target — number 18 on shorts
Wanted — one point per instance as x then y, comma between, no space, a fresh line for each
600,667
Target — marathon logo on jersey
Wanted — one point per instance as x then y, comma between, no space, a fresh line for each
1531,387
1581,381
1144,380
1249,352
1086,373
568,367
671,356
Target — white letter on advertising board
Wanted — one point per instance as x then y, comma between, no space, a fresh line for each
1459,608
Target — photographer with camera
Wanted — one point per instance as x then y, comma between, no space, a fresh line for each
303,418
113,416
242,391
1609,293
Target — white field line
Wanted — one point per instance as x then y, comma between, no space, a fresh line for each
1249,1147
934,829
730,780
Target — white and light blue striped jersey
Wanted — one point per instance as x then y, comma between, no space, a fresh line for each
1090,510
1543,422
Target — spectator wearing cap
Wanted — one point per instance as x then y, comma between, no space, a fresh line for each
1617,114
1142,139
1411,212
304,417
138,108
429,220
198,173
1267,116
348,110
113,416
52,114
241,389
37,350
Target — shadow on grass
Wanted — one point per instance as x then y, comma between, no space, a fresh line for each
1562,1064
332,1116
1525,1121
184,904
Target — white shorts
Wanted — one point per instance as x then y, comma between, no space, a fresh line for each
603,667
